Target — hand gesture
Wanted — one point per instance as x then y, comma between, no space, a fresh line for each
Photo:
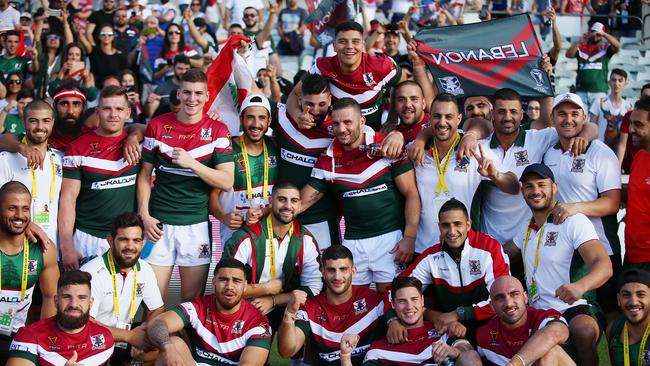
348,343
233,220
73,360
274,8
297,299
563,211
467,146
153,97
253,215
306,120
214,115
273,287
412,10
416,152
36,234
413,55
33,156
393,145
486,166
32,51
271,71
187,14
263,303
578,145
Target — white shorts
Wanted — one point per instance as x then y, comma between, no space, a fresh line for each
89,246
372,258
321,232
182,245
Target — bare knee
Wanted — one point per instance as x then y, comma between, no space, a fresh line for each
584,331
556,356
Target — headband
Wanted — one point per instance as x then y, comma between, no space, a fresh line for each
69,93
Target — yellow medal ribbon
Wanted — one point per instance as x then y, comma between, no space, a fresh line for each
271,236
31,169
442,184
626,345
116,304
23,279
247,168
540,234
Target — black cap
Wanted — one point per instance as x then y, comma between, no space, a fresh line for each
539,169
200,22
634,275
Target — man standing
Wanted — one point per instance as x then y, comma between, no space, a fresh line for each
637,235
44,184
22,263
192,154
628,334
160,98
99,18
96,175
121,281
520,334
547,266
341,308
289,248
255,156
593,56
68,337
125,34
381,204
427,344
223,328
263,51
12,62
608,112
410,105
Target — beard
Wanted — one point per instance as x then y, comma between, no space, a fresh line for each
5,227
123,262
277,215
72,322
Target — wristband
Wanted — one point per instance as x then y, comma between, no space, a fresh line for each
273,299
518,357
391,320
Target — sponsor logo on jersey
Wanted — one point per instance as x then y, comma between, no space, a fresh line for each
112,183
206,134
369,79
474,267
139,289
298,159
168,130
18,347
242,166
333,356
212,356
93,148
521,158
370,110
551,239
52,346
359,306
366,191
98,341
204,251
32,266
238,327
10,299
578,165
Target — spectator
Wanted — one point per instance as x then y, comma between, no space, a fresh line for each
100,18
625,151
9,17
264,47
152,39
532,113
12,62
105,59
291,29
51,47
14,84
575,7
628,27
173,45
134,12
166,11
593,54
608,112
235,11
13,122
129,81
125,34
160,96
200,35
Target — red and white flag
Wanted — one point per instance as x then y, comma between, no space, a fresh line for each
229,81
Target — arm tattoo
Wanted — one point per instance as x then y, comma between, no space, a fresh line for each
159,334
315,197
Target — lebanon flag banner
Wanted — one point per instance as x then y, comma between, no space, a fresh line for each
480,58
327,16
229,81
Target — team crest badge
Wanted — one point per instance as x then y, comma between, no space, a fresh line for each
359,306
369,79
578,165
272,161
646,358
238,327
461,165
98,341
267,329
242,166
521,158
206,134
168,130
204,251
432,333
139,289
551,239
93,148
474,267
32,266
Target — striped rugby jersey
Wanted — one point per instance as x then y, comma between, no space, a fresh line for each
220,339
43,343
107,180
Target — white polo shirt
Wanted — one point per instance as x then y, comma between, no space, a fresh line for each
462,179
502,213
558,246
44,186
102,291
582,178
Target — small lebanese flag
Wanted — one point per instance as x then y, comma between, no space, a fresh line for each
229,81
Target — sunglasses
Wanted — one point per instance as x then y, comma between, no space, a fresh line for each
174,32
106,34
250,15
53,36
197,4
17,82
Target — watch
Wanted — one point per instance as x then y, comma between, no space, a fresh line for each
460,311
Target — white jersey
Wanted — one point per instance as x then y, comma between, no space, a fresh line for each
102,291
44,186
607,114
582,178
462,179
558,245
501,212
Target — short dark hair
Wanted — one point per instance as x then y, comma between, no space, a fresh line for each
74,277
453,204
125,220
37,104
300,75
346,102
643,104
113,91
25,92
644,87
13,187
348,25
12,32
194,76
283,185
229,262
404,83
334,252
506,94
314,84
620,72
181,59
402,282
250,7
235,25
446,98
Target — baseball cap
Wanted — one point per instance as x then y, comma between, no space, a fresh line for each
598,27
634,275
569,98
253,100
26,15
540,169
